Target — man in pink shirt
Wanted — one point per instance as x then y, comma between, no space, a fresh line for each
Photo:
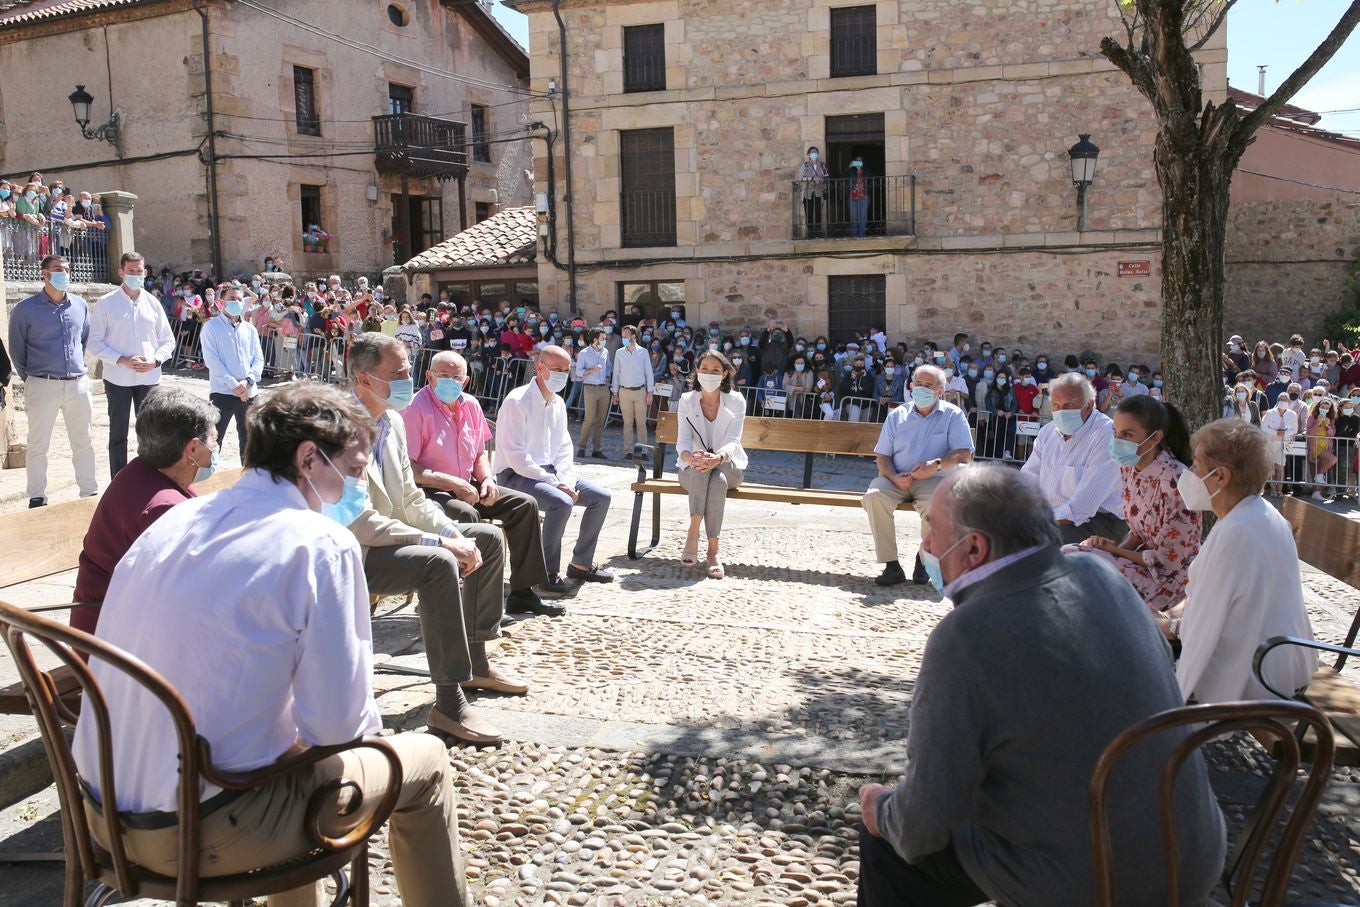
447,434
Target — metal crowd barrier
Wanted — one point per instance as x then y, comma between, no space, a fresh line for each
24,245
1304,458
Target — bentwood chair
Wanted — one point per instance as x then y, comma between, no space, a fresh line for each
1273,724
339,803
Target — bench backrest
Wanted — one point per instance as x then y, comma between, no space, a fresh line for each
1328,541
800,435
48,540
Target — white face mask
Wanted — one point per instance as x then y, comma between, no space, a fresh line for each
710,382
1194,492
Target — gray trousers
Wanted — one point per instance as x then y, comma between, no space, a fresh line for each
708,493
1103,524
556,506
449,617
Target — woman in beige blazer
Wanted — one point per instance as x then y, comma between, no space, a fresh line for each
711,458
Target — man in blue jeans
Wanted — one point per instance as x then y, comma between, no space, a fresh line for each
534,455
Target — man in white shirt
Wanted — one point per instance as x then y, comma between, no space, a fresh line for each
1071,462
533,455
1281,423
253,605
130,333
235,361
632,384
411,545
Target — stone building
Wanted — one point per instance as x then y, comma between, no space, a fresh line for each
689,119
389,124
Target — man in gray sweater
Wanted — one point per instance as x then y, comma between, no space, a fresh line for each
1043,661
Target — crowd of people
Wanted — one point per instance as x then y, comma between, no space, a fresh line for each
388,488
50,218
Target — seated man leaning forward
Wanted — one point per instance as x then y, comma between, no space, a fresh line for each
1071,462
1021,688
446,434
176,446
917,444
252,604
533,455
410,545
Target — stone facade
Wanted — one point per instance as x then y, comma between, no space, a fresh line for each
147,61
1287,263
978,104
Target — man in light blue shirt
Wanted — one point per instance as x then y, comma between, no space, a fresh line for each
918,443
592,370
632,384
231,351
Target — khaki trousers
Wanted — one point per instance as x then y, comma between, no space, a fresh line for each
265,827
880,503
45,399
633,408
597,411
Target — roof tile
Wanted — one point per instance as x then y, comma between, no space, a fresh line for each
508,237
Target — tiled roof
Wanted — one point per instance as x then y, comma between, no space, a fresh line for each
24,12
509,237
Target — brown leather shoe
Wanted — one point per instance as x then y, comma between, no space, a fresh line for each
472,729
498,682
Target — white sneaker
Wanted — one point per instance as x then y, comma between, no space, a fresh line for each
1317,496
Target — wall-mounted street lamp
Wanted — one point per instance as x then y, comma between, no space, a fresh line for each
1083,155
111,132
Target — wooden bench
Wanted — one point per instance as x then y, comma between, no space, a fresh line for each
47,541
1330,543
805,436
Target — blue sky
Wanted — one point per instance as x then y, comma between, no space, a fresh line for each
1276,33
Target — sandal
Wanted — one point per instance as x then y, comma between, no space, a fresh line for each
690,556
715,570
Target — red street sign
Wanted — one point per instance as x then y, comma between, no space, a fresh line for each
1135,269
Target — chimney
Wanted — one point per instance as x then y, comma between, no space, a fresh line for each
1261,81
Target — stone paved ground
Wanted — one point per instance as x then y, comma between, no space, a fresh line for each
689,741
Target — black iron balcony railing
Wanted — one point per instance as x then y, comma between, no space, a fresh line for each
647,219
834,208
420,146
24,245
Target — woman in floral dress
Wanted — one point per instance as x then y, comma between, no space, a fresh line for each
1152,446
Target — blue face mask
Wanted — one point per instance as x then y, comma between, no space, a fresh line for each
1156,382
448,389
399,393
60,280
821,347
234,307
134,281
1068,421
4,193
923,397
932,565
1126,452
353,497
972,373
628,342
745,341
798,366
206,472
989,374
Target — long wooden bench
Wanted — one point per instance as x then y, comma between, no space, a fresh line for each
1330,543
805,436
47,541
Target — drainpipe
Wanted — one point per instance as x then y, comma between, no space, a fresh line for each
566,156
213,219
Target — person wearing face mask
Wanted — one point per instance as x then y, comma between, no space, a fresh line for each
996,418
917,445
813,175
1151,445
235,361
797,384
176,448
1281,424
775,347
1321,443
294,672
1244,585
1348,447
592,370
533,455
1241,405
411,545
48,333
857,183
1010,704
856,390
709,424
632,382
446,436
1042,373
130,333
1071,462
890,388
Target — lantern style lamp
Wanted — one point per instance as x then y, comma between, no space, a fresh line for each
111,132
1083,158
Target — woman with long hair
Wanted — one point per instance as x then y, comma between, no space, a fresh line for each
709,422
1152,447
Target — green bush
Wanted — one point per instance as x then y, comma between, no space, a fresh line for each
1343,326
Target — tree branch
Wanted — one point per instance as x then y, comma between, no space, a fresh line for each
1131,65
1309,68
1217,24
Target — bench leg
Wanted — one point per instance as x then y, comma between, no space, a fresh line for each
1350,640
634,553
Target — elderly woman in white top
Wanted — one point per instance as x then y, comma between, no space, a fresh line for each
708,442
1244,585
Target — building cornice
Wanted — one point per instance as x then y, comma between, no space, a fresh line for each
17,27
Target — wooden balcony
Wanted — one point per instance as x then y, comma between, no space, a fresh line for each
420,146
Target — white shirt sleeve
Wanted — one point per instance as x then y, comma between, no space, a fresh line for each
97,343
512,441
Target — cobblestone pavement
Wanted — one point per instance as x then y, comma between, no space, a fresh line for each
690,741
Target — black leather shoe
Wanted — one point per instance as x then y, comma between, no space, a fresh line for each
918,575
526,601
36,502
598,455
555,587
892,575
596,574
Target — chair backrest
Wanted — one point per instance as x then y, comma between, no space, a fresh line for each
798,435
1327,540
1271,722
